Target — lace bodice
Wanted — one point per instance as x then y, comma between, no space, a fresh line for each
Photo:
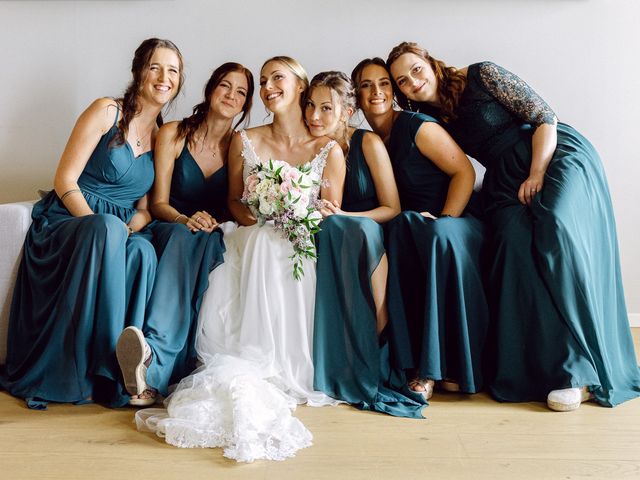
514,94
251,159
497,110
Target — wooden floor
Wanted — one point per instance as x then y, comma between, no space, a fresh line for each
470,437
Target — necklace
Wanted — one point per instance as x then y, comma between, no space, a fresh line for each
138,137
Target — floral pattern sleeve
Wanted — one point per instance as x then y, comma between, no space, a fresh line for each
515,95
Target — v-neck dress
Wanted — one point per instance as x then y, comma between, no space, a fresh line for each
185,260
81,281
350,363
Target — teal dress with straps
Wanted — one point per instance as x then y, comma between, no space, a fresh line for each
350,364
438,313
185,260
555,289
81,281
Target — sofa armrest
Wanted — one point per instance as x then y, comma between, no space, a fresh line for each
15,219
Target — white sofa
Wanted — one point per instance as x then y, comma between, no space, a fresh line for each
15,219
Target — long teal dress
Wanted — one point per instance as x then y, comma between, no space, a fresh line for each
438,311
555,288
81,281
185,260
349,362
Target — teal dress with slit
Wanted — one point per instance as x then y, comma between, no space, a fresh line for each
438,311
350,362
555,286
81,281
185,260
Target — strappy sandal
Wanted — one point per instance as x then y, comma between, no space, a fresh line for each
145,399
134,357
426,384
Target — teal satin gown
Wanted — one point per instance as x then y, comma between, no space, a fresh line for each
185,260
81,281
438,310
555,289
350,364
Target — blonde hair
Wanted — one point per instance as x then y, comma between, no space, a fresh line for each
297,69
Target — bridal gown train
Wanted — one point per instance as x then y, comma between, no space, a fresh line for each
255,341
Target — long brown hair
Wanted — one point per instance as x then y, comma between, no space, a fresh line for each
451,82
189,125
139,68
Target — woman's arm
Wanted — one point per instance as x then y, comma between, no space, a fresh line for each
165,152
436,144
142,217
543,146
515,95
167,149
333,176
239,210
92,124
379,164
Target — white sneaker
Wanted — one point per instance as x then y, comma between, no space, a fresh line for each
567,399
134,356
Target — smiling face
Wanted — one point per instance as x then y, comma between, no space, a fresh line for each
415,78
230,95
280,88
162,77
323,115
375,93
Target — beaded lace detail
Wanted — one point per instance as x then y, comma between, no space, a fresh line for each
251,159
515,95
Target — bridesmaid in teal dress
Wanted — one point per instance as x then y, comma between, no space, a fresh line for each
561,331
87,269
189,198
438,312
350,362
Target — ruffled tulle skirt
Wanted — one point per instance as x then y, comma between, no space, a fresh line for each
255,341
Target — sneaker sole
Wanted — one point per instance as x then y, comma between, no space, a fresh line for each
569,407
130,354
563,407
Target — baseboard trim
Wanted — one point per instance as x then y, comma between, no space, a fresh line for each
634,319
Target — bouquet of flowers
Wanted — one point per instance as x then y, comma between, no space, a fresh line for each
277,191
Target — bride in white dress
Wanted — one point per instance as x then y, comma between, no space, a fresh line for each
256,322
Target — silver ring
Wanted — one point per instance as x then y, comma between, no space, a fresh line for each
198,219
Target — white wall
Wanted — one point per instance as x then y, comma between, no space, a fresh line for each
581,55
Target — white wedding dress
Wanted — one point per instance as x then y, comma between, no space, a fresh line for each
255,337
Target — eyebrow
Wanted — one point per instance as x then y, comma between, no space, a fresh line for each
159,64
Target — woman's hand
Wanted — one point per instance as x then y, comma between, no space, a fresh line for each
530,187
330,208
201,221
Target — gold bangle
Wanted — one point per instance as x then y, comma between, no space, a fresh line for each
69,192
175,220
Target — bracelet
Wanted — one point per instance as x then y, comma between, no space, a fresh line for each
69,192
130,229
175,220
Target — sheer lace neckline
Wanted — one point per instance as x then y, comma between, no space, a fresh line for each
250,155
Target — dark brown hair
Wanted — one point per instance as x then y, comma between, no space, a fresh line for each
451,82
357,72
139,69
189,125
